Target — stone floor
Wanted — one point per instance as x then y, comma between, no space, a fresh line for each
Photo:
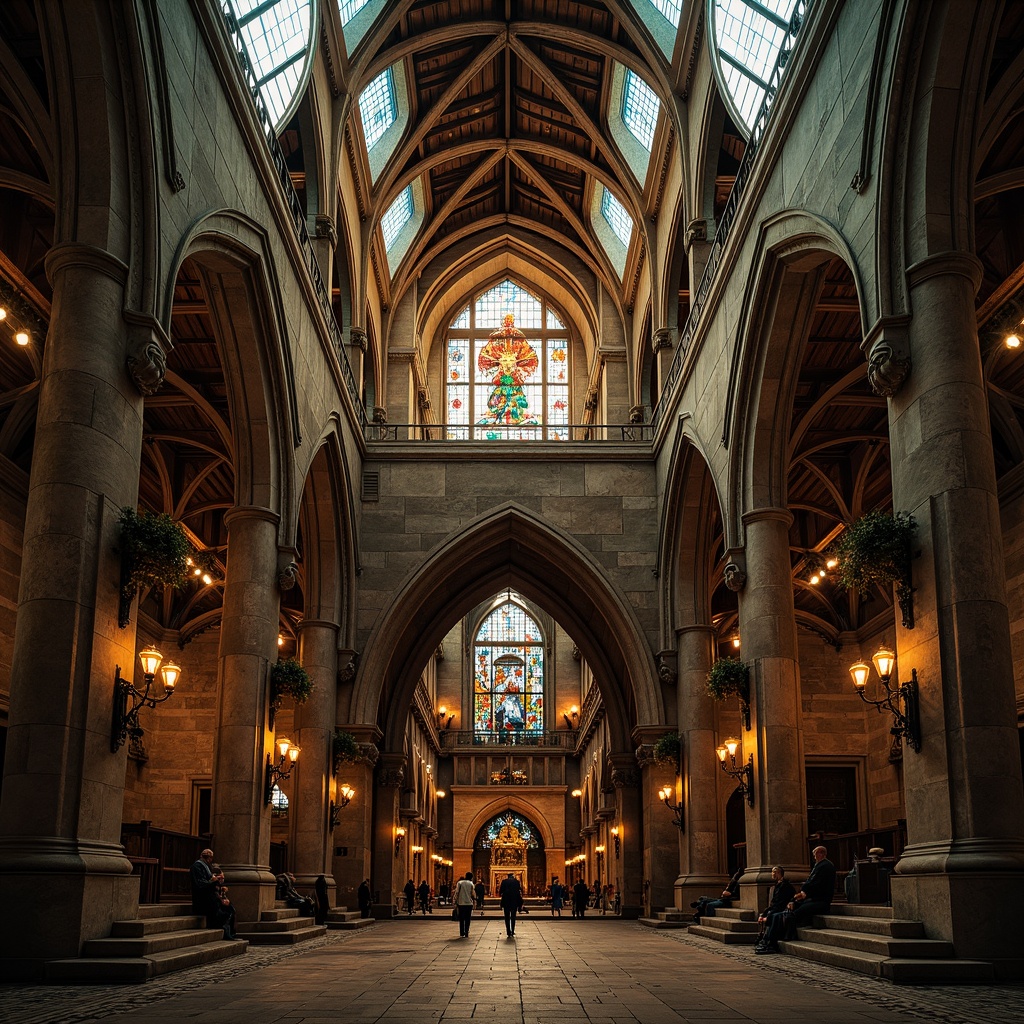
412,971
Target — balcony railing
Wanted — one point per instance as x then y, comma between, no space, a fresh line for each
560,739
463,433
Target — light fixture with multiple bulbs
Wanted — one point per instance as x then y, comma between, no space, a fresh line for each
129,701
906,722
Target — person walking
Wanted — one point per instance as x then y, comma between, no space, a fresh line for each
480,893
557,898
464,894
363,898
511,895
424,894
410,895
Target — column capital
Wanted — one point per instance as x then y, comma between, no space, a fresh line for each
697,627
662,338
947,264
240,512
760,515
317,624
65,255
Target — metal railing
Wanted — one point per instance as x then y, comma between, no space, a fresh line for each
558,739
757,131
294,205
462,433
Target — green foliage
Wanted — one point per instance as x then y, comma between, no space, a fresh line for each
729,677
343,748
668,748
289,679
876,549
155,549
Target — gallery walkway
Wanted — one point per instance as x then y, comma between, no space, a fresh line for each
413,971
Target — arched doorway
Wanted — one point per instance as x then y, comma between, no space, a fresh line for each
510,844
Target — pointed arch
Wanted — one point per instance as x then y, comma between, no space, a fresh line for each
508,801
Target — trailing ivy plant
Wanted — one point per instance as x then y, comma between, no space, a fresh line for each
343,748
730,677
668,748
288,679
876,549
154,552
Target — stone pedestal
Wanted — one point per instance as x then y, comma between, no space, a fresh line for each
248,643
61,863
962,872
777,823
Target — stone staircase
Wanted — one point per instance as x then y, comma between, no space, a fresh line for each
282,926
162,939
670,917
343,918
730,925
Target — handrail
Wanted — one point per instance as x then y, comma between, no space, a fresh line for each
559,739
294,205
463,433
743,173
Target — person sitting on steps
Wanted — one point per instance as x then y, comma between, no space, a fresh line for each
814,897
779,897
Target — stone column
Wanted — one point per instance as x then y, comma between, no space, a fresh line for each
701,862
625,868
777,823
965,809
389,868
314,725
660,845
248,644
664,351
62,867
357,358
351,843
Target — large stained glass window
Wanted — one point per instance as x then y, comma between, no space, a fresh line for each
527,831
508,676
507,369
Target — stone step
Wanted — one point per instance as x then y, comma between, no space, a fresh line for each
732,914
876,926
281,937
729,925
286,924
145,945
155,925
862,910
730,938
281,913
661,921
899,971
148,910
349,923
110,970
883,945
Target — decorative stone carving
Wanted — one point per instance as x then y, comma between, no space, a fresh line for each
576,653
626,778
439,653
288,576
636,414
590,402
357,337
347,672
735,577
667,668
391,778
147,364
423,397
662,338
696,231
645,754
380,414
325,228
886,369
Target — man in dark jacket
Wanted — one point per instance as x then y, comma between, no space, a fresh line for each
779,897
363,898
410,895
511,894
580,896
814,897
424,895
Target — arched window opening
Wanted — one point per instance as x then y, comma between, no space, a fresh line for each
508,676
507,369
524,829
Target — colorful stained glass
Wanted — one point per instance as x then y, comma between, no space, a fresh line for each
527,831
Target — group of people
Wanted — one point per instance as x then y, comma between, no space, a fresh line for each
581,896
422,893
788,908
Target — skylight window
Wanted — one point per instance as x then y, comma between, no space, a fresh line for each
377,107
618,219
640,108
671,9
398,215
748,35
350,8
277,36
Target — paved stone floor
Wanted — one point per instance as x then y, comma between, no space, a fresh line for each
412,971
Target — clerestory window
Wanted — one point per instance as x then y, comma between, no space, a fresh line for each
617,217
378,108
507,369
398,214
640,106
508,676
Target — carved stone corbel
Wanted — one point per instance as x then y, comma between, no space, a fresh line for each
380,414
357,337
696,231
288,576
626,778
325,228
391,778
636,414
887,345
423,398
645,754
590,402
735,577
347,667
667,672
662,338
148,345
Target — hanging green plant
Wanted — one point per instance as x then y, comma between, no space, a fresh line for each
876,549
730,677
154,552
343,748
289,679
668,748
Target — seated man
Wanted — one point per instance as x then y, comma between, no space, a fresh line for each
707,905
209,895
779,897
814,897
286,891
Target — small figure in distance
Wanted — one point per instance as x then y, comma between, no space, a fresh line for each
363,898
424,895
410,896
511,894
480,893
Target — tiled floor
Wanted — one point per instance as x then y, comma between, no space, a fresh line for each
412,971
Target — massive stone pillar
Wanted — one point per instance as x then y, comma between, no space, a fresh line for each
389,858
660,843
701,863
624,857
351,841
61,863
777,823
248,644
961,873
314,725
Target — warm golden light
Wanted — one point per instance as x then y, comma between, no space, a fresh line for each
1012,341
347,792
22,338
736,641
280,640
884,660
860,673
577,793
441,794
814,580
731,745
207,578
284,744
170,674
831,563
615,831
293,754
599,849
442,711
400,832
3,313
664,793
574,710
150,658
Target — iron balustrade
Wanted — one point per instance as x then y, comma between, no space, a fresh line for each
743,173
294,205
557,739
461,433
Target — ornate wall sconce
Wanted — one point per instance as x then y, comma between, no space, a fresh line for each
444,717
599,850
665,794
399,836
417,851
577,793
279,772
906,723
616,837
572,718
346,792
744,774
128,701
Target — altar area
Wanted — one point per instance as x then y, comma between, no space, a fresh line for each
508,857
